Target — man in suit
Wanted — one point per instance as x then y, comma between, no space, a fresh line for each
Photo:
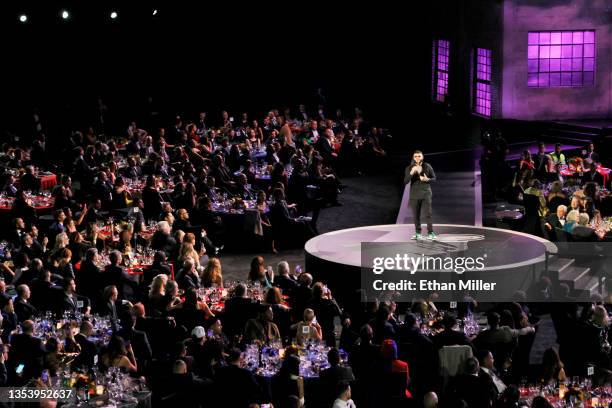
162,240
26,350
238,309
71,302
592,175
82,170
284,280
477,391
188,277
29,181
590,153
89,350
554,221
138,339
23,308
449,336
420,174
233,377
311,135
115,275
325,148
89,277
9,188
332,377
221,173
539,160
103,189
557,219
487,369
17,233
57,227
31,247
111,306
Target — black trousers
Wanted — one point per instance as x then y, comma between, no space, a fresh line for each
421,207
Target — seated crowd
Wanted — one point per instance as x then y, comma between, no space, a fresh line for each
70,249
565,195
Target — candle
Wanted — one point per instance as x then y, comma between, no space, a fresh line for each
99,389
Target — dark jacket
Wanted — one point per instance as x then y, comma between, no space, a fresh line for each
418,188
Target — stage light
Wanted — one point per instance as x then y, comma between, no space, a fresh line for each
155,11
23,18
113,15
65,14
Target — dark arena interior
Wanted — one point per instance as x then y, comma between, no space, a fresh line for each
195,198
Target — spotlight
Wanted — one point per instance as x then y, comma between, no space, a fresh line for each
65,14
155,11
23,18
113,15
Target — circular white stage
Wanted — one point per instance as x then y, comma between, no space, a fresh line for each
505,248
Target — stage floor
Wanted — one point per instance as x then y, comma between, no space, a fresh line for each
502,248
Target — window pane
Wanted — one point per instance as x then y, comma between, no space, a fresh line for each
576,78
566,79
566,37
589,64
532,51
566,65
555,79
545,38
532,65
555,38
589,50
566,51
533,38
589,37
555,65
543,79
545,51
544,65
578,37
576,64
588,78
555,51
577,51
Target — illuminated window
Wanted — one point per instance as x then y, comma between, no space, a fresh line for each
561,59
482,82
440,62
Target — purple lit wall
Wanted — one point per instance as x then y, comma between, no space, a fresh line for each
482,91
440,52
557,59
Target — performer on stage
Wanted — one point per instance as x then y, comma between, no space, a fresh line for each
419,174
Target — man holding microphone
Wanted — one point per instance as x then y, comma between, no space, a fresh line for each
420,174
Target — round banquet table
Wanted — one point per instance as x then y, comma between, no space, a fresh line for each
41,204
